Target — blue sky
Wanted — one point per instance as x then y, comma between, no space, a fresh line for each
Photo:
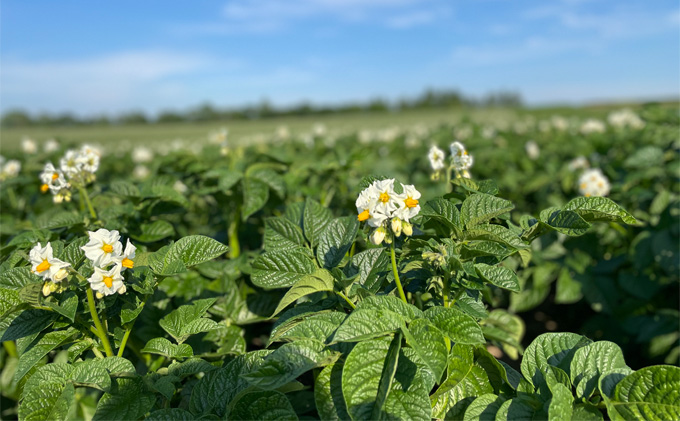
107,57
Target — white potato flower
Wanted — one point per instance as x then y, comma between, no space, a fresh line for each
51,145
436,157
387,197
52,179
408,203
104,247
127,258
69,163
107,282
380,205
141,171
9,169
141,154
592,126
532,150
579,163
219,137
625,118
593,183
44,264
29,146
460,158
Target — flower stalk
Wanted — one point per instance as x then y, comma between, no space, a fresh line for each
101,332
396,273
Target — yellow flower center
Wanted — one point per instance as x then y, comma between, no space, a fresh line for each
108,281
43,266
411,202
587,195
55,176
584,185
600,184
363,215
44,188
384,197
108,248
128,263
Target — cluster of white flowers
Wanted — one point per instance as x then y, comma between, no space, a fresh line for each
75,167
593,183
532,150
109,261
9,169
460,159
380,205
579,163
436,157
29,146
625,118
593,126
45,265
559,123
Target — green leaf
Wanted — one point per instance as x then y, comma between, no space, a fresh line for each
262,405
335,240
506,328
45,344
195,249
9,301
366,324
429,344
444,212
228,179
188,320
170,414
455,324
590,362
67,306
269,177
128,399
561,403
464,382
28,322
361,377
61,220
124,188
154,231
586,412
523,407
116,366
599,209
255,196
391,303
500,276
481,207
566,222
166,348
91,374
319,327
288,362
164,193
372,264
314,220
387,376
73,253
52,400
281,269
17,278
328,397
484,408
550,349
321,280
281,234
651,393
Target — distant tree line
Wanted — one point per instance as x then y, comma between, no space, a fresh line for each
429,99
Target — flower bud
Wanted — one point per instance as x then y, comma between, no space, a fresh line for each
122,290
407,228
378,236
396,226
60,275
99,295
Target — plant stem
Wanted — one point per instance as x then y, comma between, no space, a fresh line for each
446,292
86,198
351,251
460,292
449,186
11,348
351,304
12,198
97,352
98,324
396,273
234,246
124,341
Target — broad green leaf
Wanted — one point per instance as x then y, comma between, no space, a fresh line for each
52,400
124,188
91,374
166,348
255,196
22,323
484,408
228,179
116,366
366,324
262,405
550,349
371,264
561,403
280,234
188,320
506,328
17,278
264,173
287,363
164,193
590,362
481,207
281,269
67,305
498,275
9,301
586,412
455,324
170,414
219,387
651,393
645,157
387,376
61,220
128,399
77,348
523,407
361,377
336,240
391,303
429,344
45,344
314,220
195,249
73,253
599,209
409,395
566,222
154,231
321,280
318,326
444,212
328,393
